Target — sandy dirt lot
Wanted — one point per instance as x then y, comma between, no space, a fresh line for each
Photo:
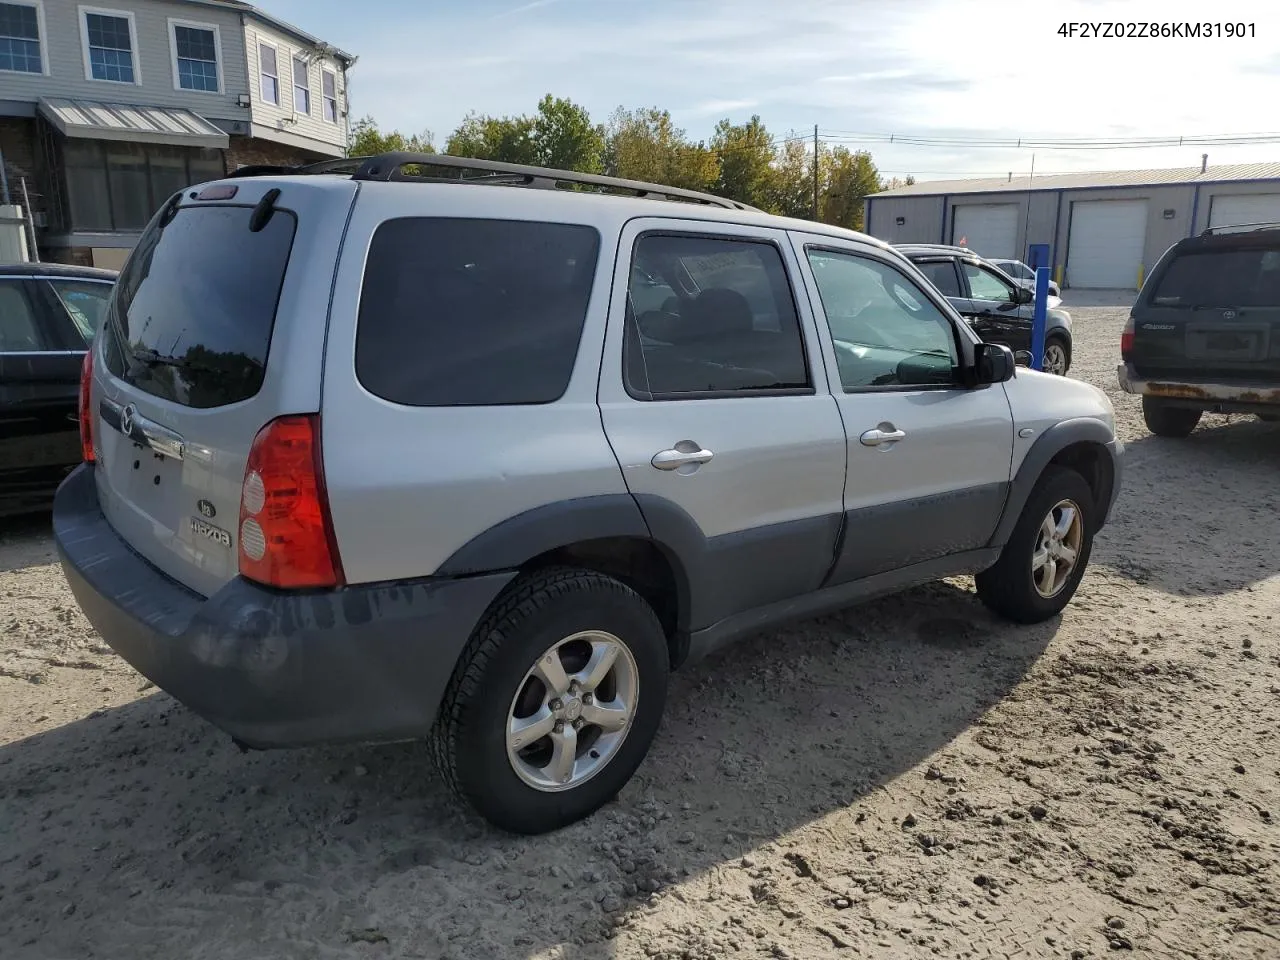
906,779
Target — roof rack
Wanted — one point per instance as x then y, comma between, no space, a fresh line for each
391,167
936,246
1240,228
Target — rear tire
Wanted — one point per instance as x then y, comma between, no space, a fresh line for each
1167,421
1015,587
498,699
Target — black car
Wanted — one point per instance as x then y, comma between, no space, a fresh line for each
999,309
1204,332
48,315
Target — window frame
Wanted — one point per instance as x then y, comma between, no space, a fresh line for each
325,99
174,23
294,62
275,48
134,59
945,309
695,234
41,39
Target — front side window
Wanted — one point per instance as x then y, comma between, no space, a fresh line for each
329,87
269,74
20,38
84,301
886,331
109,38
472,312
710,315
301,87
20,330
985,285
195,51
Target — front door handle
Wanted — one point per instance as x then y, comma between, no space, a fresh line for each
684,454
877,436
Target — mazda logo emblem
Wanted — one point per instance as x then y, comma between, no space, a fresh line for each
126,420
1228,314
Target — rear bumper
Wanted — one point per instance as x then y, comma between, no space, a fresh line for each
1241,397
273,668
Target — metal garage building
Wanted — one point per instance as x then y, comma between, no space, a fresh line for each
1105,230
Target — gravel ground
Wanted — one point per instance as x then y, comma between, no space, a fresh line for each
908,779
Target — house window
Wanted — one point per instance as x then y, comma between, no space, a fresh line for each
113,186
301,87
195,56
329,87
109,45
20,38
269,70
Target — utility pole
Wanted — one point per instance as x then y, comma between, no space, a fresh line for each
815,172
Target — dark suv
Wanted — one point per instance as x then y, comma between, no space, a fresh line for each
1204,333
999,309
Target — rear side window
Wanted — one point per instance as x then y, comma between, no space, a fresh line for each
466,312
193,312
1231,277
942,274
85,301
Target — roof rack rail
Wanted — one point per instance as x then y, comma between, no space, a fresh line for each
390,167
1240,228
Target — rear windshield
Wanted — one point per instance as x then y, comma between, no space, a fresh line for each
461,312
1231,277
193,311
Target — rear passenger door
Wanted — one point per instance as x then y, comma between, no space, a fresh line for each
716,405
39,384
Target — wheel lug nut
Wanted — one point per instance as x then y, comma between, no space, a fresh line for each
559,726
587,698
556,705
579,724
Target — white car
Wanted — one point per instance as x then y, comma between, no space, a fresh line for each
1025,276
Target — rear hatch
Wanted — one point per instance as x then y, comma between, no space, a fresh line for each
213,292
1211,312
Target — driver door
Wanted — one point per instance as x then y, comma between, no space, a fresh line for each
998,316
928,459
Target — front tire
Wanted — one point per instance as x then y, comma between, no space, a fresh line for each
554,702
1042,564
1057,355
1166,421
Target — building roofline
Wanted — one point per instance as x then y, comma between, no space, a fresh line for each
249,10
1143,185
1245,173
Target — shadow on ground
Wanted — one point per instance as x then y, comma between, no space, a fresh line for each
1211,497
26,541
141,832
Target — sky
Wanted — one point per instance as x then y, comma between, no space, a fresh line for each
954,68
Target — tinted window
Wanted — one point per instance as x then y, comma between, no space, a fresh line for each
1240,277
729,322
886,331
942,274
85,301
20,328
473,312
194,308
985,285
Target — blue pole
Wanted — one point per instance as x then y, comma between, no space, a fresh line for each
1041,315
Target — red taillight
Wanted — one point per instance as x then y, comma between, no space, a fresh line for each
1126,340
286,533
86,411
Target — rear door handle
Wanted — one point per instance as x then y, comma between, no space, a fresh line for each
876,436
683,454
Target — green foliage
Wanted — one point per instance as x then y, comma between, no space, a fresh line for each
367,140
742,161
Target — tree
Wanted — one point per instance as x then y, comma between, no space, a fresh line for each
367,140
645,145
746,154
850,177
564,137
508,139
791,192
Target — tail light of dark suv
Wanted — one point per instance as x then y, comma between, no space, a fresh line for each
1126,340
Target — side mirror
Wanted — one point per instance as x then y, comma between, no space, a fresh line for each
1022,358
995,363
1023,295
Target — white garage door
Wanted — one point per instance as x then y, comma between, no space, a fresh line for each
1105,248
1256,208
989,229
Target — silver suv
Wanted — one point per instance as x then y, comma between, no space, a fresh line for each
403,448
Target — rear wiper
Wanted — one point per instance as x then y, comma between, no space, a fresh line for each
154,358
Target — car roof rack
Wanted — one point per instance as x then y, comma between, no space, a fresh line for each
1240,228
391,167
